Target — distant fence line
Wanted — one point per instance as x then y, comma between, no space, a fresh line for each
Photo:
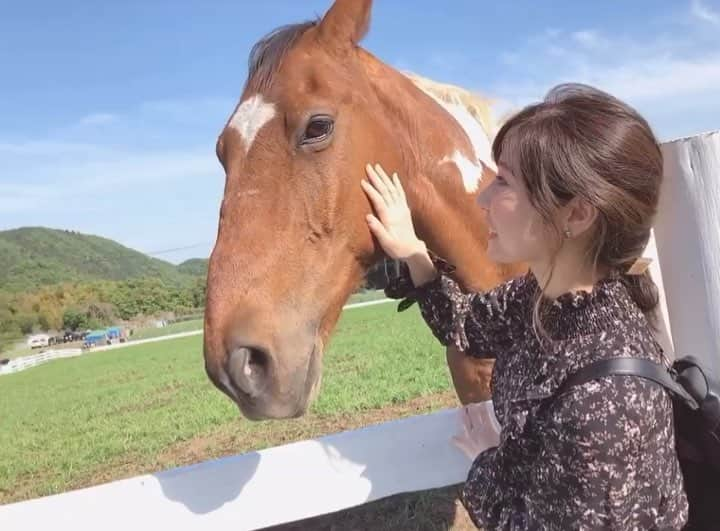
26,362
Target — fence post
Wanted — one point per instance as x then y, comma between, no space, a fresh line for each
687,235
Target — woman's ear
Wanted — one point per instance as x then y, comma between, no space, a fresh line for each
579,217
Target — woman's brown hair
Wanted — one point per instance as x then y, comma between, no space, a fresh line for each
582,142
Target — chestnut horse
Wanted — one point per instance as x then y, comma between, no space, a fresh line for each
292,241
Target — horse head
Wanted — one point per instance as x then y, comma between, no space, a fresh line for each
292,240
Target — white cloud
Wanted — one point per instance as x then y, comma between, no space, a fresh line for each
671,75
663,79
46,184
98,118
44,148
178,109
147,148
21,198
448,60
509,58
590,39
704,13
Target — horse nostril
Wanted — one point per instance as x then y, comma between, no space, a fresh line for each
247,368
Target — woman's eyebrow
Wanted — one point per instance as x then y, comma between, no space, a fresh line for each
505,170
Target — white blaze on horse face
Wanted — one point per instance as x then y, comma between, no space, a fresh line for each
250,117
470,171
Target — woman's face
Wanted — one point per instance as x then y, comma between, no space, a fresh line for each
517,231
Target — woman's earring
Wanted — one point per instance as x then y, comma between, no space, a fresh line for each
567,233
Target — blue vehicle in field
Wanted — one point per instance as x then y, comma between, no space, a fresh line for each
96,337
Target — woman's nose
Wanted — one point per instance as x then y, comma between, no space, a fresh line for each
483,198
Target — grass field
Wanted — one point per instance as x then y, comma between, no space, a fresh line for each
82,421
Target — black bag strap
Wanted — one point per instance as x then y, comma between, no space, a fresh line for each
630,367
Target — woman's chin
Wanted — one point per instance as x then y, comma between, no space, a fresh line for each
495,252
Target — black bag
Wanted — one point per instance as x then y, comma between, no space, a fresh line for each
696,411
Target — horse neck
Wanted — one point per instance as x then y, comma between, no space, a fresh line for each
445,213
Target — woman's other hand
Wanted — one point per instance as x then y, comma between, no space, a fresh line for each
479,429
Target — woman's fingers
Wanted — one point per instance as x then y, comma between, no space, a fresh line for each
398,187
464,439
389,185
380,232
485,428
464,422
377,199
379,184
465,445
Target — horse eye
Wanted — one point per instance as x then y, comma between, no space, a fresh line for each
317,130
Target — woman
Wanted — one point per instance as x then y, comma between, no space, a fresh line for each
575,196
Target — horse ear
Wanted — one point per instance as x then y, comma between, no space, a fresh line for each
346,22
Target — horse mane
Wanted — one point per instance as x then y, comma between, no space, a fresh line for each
267,54
477,105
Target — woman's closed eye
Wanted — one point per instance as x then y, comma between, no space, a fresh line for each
500,180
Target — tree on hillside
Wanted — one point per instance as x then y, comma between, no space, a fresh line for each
26,322
100,314
74,319
198,292
43,322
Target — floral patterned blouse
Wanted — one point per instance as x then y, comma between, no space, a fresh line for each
599,456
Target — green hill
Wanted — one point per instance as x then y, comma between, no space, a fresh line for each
31,257
194,266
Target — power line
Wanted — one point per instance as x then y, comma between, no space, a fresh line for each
174,249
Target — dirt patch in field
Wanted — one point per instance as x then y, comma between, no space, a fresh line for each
224,443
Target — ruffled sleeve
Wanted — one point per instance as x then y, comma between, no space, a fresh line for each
480,324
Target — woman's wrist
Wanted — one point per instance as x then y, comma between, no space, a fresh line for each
422,269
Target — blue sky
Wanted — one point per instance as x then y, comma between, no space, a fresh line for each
109,111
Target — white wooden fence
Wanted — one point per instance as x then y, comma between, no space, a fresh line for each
323,475
26,362
688,241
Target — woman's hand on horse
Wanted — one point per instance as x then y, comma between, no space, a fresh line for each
393,226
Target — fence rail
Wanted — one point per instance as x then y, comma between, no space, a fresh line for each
20,364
